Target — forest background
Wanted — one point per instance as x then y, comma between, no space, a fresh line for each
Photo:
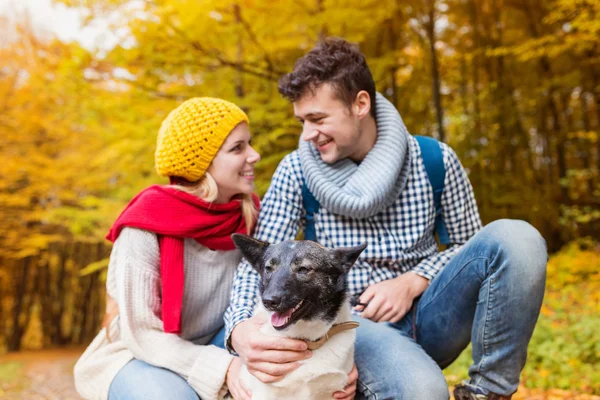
512,85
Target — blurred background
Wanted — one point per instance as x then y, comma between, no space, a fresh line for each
512,85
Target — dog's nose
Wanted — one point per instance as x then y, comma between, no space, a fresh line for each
272,302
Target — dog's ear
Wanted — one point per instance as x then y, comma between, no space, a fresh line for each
348,255
252,249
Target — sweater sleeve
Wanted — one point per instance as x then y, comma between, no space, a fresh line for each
139,298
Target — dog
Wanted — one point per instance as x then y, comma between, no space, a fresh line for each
303,292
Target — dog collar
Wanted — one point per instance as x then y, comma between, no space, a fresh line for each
344,326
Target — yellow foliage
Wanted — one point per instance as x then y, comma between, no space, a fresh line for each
573,279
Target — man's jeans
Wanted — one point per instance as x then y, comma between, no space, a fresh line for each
140,380
489,294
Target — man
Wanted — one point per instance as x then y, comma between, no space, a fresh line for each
418,308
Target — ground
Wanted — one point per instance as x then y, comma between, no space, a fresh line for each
48,375
43,375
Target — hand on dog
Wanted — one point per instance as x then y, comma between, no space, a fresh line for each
350,389
390,300
235,385
268,358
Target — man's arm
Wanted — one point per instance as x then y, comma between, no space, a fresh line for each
459,212
278,221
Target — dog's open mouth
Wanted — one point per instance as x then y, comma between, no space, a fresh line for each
281,320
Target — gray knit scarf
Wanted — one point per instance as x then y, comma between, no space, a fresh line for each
361,191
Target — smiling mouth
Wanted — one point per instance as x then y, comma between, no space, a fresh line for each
324,142
281,320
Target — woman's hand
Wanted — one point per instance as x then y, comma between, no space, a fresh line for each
235,385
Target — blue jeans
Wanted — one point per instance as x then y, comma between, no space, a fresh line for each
140,380
489,294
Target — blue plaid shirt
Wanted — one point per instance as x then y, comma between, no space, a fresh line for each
400,239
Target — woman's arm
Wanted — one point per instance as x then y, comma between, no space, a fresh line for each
139,297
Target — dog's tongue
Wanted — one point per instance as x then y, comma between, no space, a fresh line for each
279,319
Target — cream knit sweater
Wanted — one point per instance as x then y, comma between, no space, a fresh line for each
137,332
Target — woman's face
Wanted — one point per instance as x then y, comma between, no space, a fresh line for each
233,166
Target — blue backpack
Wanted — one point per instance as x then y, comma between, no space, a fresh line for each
436,172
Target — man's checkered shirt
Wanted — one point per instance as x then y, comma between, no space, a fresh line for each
400,239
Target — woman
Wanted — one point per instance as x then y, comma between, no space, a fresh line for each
172,265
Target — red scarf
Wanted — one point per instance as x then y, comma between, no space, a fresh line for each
174,215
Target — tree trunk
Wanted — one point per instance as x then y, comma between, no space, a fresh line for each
587,151
464,100
435,73
45,298
559,145
3,318
323,32
18,329
475,67
597,101
478,131
239,80
393,47
59,299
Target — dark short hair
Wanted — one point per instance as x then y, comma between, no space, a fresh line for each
334,61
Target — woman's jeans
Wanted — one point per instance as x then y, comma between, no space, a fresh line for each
138,380
489,294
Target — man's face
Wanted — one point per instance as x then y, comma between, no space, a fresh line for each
332,127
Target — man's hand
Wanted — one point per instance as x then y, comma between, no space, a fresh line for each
268,358
390,300
350,389
234,384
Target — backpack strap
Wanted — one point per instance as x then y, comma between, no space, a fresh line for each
436,172
311,207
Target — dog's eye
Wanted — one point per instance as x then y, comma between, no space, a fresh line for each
268,269
302,271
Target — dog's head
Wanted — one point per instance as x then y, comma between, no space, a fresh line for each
300,280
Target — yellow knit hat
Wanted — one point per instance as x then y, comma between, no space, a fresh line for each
191,135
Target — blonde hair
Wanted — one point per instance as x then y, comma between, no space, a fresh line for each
207,190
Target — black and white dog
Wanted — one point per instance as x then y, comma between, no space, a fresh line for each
303,290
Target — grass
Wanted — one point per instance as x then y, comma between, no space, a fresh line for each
11,376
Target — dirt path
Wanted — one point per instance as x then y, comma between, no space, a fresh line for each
43,375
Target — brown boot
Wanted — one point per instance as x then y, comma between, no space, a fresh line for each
462,393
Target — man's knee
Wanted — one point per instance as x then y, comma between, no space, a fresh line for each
520,244
404,385
426,387
392,366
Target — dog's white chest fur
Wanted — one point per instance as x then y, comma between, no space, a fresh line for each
319,376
